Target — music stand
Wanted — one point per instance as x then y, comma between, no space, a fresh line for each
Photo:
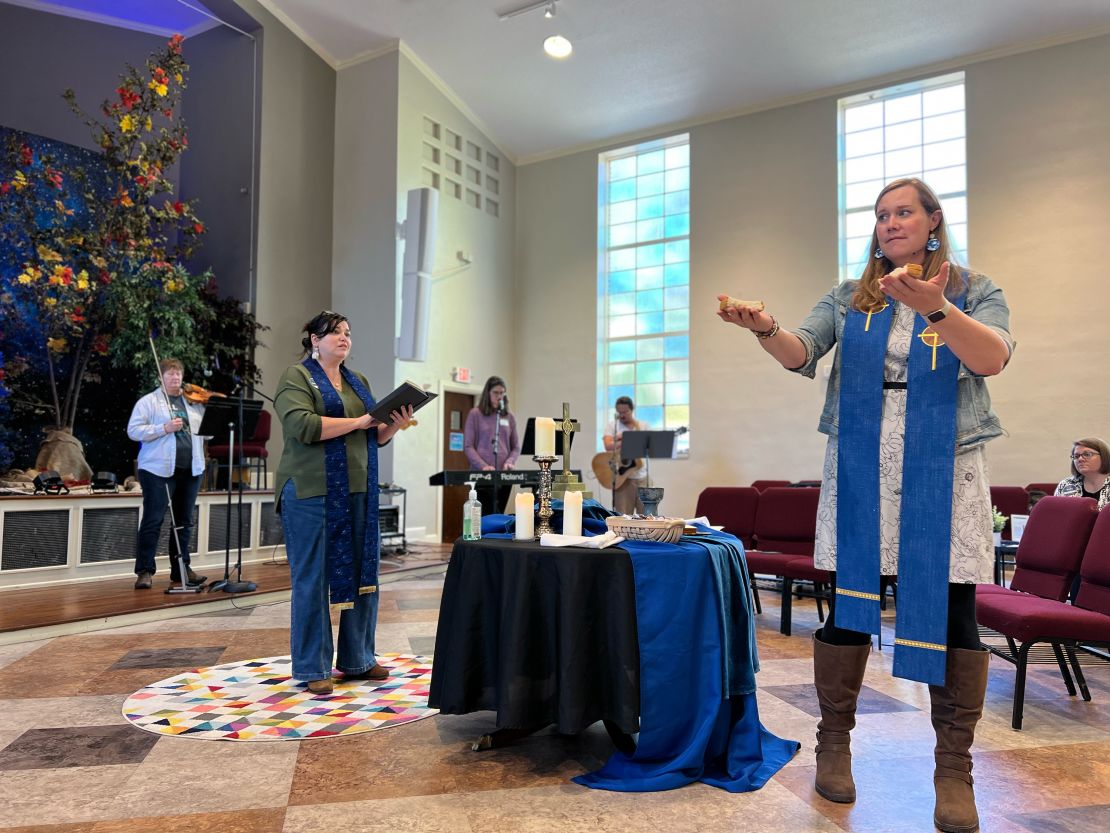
647,444
233,418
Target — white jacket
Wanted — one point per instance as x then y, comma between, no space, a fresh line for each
159,449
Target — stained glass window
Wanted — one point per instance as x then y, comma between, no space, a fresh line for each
644,284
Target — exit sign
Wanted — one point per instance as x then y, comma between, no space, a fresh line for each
461,374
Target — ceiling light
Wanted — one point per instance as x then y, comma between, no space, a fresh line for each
549,12
557,47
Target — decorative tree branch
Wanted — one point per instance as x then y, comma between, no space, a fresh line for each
100,274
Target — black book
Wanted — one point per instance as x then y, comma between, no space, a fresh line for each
406,393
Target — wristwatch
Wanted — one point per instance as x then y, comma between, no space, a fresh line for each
940,314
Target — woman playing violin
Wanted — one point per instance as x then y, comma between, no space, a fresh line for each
171,460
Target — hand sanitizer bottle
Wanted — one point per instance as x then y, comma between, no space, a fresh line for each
472,516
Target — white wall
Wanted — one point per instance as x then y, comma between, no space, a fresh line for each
1039,176
471,307
763,218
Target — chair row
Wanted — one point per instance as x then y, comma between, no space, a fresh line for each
777,527
1018,500
1065,538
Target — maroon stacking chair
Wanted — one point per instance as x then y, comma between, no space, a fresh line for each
254,449
1051,549
1047,489
1026,620
1010,500
761,485
785,527
733,507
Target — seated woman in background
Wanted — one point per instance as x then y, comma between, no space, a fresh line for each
1090,469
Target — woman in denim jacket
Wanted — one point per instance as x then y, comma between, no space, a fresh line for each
909,229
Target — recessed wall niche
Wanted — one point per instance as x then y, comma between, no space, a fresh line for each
460,168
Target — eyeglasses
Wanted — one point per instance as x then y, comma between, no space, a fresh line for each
1084,455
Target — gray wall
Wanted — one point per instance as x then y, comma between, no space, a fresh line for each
764,209
296,148
364,265
43,54
218,169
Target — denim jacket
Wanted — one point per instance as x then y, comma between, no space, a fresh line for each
975,421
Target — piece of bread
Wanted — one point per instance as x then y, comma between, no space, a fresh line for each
736,303
914,270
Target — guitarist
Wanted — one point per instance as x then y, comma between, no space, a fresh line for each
626,499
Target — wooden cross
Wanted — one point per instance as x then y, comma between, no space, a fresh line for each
568,426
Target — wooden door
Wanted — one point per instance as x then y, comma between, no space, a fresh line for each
455,408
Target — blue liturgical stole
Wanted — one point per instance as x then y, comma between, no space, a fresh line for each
925,536
343,583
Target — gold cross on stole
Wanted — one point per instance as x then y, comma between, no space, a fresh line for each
875,310
925,336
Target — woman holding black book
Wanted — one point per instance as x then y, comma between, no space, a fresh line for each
327,485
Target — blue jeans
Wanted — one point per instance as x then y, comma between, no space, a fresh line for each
181,488
310,639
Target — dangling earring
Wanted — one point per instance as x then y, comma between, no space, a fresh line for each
933,244
879,253
315,353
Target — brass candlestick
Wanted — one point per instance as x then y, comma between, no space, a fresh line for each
545,512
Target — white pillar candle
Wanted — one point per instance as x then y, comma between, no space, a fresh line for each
545,437
525,519
572,513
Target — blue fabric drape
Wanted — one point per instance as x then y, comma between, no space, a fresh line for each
343,584
706,729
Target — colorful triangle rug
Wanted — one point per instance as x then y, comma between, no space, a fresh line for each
258,699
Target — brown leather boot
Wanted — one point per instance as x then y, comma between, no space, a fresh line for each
838,675
957,707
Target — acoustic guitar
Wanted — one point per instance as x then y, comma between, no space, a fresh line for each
611,471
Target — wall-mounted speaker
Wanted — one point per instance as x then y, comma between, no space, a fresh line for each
412,344
420,230
416,283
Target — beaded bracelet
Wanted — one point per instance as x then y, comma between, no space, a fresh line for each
765,334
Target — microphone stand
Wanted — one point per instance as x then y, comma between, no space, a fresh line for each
496,480
226,584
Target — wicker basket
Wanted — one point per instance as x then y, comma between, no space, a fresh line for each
664,530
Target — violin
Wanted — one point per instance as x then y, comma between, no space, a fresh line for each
198,395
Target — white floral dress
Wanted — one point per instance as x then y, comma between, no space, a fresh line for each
971,560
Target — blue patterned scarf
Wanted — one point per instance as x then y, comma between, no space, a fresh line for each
925,535
342,581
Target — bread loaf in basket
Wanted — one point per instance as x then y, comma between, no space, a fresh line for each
664,530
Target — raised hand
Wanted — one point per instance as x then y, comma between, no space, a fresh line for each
742,316
922,296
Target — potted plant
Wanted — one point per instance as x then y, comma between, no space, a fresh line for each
999,522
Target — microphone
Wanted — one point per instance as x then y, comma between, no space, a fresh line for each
503,403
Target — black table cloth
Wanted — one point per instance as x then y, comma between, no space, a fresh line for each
538,635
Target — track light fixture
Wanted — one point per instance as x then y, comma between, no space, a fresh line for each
548,7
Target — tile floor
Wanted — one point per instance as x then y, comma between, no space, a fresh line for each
70,763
